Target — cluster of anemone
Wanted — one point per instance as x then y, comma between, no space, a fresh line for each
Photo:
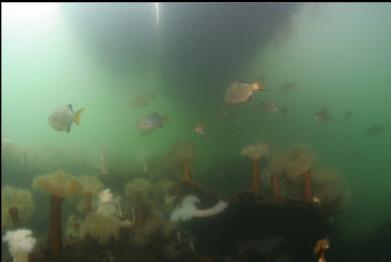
155,223
142,213
145,200
107,214
16,206
296,165
146,207
301,158
58,185
90,187
72,228
164,192
330,187
92,227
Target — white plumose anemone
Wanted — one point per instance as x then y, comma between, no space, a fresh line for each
21,243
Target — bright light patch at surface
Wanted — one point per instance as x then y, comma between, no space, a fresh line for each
27,12
157,12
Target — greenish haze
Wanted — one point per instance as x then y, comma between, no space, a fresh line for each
339,54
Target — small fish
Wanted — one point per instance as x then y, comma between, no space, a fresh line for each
323,115
150,122
241,91
267,107
289,86
142,100
200,129
63,117
375,130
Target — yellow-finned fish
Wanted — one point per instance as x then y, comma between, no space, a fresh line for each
63,117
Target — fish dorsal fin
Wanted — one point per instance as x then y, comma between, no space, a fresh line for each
260,78
259,81
243,81
153,115
70,107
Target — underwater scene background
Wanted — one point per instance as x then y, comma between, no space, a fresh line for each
210,131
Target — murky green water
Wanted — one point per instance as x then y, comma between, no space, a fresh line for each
103,56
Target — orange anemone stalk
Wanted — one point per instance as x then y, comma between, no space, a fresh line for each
55,236
255,153
183,152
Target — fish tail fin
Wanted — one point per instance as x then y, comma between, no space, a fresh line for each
77,115
258,83
258,86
